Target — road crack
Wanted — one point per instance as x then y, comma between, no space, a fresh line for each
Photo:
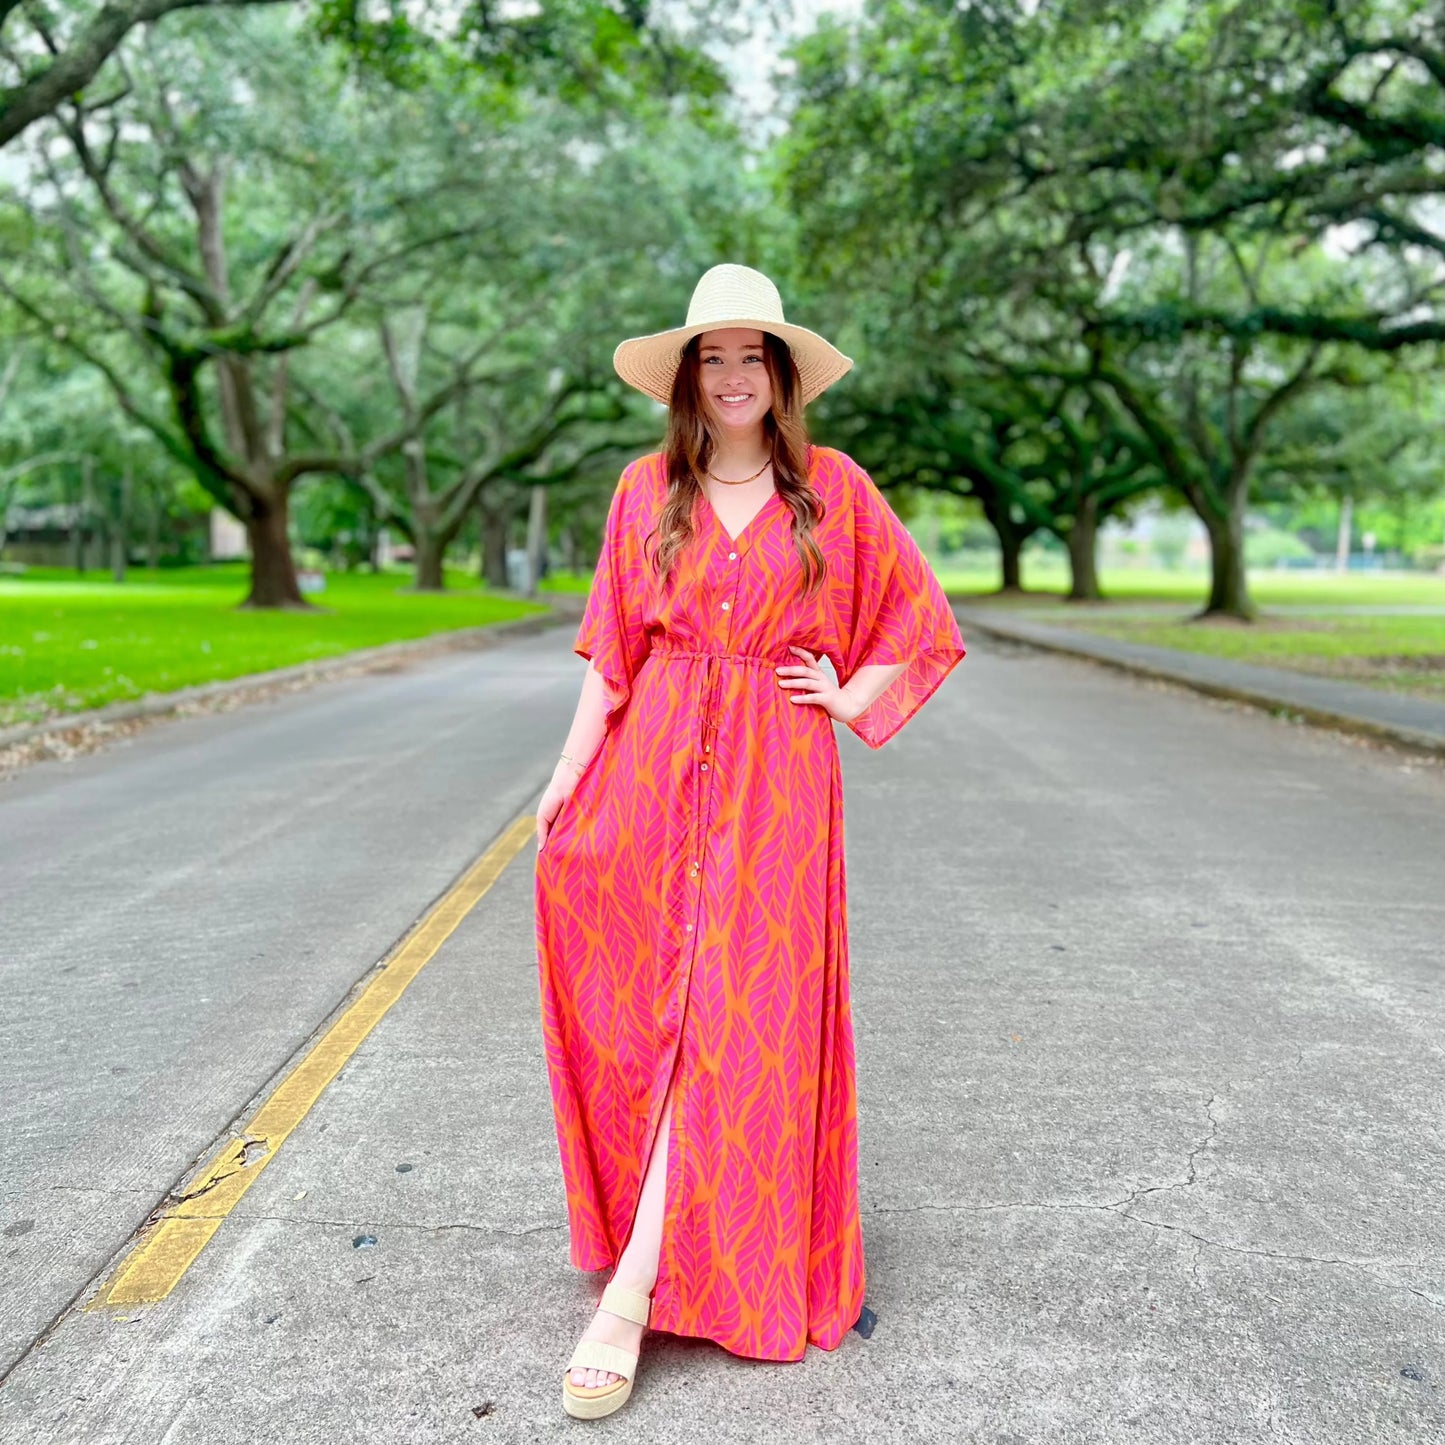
402,1224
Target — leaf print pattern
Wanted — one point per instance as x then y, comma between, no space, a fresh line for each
691,906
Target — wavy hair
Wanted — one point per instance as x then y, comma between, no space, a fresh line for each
690,445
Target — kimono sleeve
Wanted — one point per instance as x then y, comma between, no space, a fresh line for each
900,614
612,632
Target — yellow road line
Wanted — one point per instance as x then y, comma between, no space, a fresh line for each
155,1265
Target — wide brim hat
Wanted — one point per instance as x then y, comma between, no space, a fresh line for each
728,295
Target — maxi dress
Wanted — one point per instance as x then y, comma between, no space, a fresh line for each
691,908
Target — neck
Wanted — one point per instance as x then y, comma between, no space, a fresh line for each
740,455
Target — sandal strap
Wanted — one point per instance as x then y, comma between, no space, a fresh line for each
618,1300
596,1355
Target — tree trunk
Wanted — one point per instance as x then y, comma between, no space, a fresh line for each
1010,541
273,570
494,549
536,539
120,528
430,552
1083,552
1011,549
87,511
153,529
1346,533
77,524
1228,588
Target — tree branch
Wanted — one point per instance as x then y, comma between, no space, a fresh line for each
42,92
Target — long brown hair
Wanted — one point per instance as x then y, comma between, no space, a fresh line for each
689,448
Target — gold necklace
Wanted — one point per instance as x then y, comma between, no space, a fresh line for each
745,480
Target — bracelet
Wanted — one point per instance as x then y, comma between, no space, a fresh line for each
581,767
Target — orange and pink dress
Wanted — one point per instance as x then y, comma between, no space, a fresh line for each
691,905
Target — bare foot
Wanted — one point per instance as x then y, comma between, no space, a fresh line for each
612,1329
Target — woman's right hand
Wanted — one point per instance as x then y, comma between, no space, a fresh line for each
562,786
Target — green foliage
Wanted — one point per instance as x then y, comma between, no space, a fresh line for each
1106,238
369,262
589,55
291,263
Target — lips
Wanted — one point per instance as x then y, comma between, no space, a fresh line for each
737,399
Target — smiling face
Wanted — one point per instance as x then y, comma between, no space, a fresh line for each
733,378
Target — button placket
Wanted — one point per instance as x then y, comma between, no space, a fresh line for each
708,702
732,580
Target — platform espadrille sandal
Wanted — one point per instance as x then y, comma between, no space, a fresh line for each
584,1404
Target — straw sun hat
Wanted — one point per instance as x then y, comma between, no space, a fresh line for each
727,296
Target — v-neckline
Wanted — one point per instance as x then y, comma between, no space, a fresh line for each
747,526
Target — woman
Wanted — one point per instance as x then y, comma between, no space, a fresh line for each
690,890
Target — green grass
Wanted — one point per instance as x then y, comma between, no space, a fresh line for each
1400,654
1268,587
68,645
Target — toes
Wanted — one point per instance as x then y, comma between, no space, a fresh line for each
593,1379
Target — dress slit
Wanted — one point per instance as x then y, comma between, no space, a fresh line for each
674,1077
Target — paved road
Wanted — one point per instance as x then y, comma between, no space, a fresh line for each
1149,997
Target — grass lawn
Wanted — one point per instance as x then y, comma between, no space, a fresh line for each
1046,577
1402,654
67,645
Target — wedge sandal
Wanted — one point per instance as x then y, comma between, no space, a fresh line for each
584,1404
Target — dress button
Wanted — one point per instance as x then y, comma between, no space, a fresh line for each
689,928
726,605
704,767
732,556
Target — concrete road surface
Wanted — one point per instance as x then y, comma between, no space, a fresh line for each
1150,1006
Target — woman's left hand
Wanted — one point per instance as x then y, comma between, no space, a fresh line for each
807,683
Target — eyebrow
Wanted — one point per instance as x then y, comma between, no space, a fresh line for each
748,346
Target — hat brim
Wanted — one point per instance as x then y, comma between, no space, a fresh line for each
650,362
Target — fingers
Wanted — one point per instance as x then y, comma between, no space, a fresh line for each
546,816
808,687
810,668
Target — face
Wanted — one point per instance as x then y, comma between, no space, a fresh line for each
733,377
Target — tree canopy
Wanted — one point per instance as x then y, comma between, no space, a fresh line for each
1086,252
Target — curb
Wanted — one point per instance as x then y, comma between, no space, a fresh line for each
1392,733
157,705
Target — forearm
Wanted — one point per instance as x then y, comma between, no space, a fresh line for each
589,723
869,683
